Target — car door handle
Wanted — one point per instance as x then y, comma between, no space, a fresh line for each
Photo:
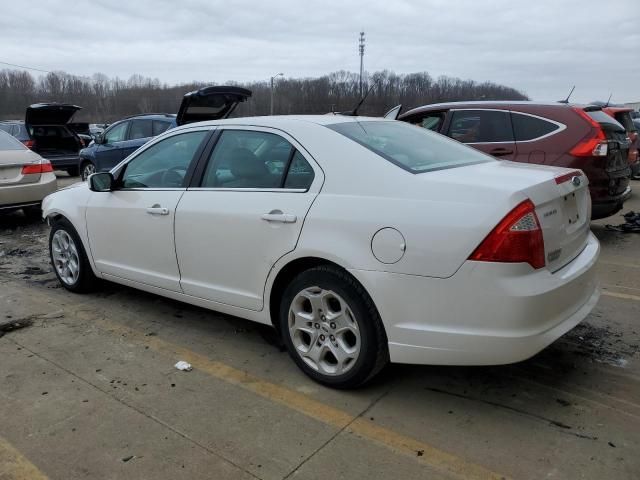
157,210
278,216
499,152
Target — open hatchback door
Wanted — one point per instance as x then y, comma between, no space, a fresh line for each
210,103
50,113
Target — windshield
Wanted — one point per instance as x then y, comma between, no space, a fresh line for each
412,148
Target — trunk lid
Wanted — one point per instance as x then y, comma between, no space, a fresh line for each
50,113
563,207
11,163
210,103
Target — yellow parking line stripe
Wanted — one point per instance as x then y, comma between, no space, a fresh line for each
625,296
14,466
423,452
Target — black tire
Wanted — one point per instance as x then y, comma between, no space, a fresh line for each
374,352
86,280
83,170
73,171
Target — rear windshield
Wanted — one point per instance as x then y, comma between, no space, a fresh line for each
604,119
7,142
412,148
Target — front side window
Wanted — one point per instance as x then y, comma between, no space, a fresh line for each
140,129
165,164
248,159
481,126
430,121
117,133
414,149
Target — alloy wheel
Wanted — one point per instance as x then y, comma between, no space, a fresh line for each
87,170
324,331
65,257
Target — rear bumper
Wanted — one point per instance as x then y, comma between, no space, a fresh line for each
18,196
63,162
606,208
486,314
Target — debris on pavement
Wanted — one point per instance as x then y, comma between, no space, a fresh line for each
183,366
11,325
631,225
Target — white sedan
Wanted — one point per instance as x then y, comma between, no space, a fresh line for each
361,240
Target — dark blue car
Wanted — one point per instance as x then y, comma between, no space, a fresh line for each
121,139
125,136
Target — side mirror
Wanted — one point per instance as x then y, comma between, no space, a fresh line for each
101,182
100,139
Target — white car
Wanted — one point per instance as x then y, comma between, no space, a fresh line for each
361,240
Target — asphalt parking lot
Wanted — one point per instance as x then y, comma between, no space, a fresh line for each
88,389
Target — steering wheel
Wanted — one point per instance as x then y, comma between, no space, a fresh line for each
173,177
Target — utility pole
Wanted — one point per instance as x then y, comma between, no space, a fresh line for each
272,79
361,47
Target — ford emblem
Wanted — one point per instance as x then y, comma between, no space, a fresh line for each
576,181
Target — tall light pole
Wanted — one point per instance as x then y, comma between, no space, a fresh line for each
272,79
361,48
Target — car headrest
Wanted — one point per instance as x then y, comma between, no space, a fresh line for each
244,164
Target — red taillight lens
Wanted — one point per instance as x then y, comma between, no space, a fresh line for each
516,239
44,166
29,143
593,145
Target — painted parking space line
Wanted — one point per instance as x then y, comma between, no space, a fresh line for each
427,454
625,296
15,466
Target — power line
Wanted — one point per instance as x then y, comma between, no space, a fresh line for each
26,68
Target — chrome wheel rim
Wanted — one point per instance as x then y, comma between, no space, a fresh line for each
324,331
65,256
88,170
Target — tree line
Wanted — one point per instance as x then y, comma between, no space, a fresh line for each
105,99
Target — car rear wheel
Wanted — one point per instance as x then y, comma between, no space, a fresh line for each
88,168
69,259
332,329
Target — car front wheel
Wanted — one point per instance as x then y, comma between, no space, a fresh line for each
69,259
88,168
332,329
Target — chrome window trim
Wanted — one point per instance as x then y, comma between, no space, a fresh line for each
236,189
561,126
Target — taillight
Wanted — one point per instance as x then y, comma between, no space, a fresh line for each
595,144
516,239
43,166
29,143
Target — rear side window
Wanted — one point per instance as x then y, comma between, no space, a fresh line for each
140,129
7,142
300,174
526,127
160,127
248,159
481,126
411,148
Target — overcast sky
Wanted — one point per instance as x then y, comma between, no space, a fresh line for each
541,47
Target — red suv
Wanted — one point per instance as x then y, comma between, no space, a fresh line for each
559,134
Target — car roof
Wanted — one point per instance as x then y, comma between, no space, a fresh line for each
282,120
152,116
497,104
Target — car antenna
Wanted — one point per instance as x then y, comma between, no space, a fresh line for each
566,100
354,112
608,100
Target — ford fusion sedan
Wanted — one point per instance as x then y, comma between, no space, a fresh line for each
361,240
25,177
